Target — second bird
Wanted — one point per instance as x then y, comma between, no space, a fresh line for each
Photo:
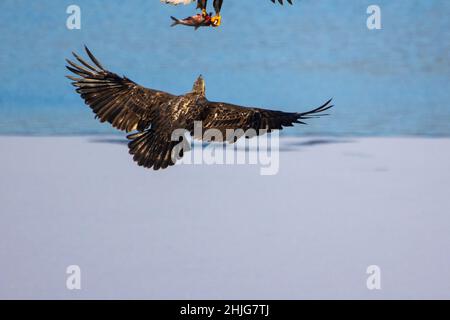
202,4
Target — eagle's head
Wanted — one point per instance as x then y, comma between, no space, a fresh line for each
199,86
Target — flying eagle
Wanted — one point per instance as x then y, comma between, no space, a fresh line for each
156,114
201,4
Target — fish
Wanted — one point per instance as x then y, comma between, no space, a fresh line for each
196,21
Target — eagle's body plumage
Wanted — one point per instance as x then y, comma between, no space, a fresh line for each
156,114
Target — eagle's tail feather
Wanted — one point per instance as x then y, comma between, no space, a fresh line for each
149,150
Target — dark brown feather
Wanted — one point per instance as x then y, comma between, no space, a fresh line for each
118,100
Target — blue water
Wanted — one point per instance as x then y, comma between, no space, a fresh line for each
393,81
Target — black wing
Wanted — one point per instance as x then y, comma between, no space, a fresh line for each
281,1
223,116
118,100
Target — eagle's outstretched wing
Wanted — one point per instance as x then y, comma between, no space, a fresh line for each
118,100
154,148
223,116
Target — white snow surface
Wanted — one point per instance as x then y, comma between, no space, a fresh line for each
337,206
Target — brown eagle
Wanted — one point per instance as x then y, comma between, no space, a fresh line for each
156,114
201,4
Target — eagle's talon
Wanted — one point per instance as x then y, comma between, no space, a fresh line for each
216,21
204,13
